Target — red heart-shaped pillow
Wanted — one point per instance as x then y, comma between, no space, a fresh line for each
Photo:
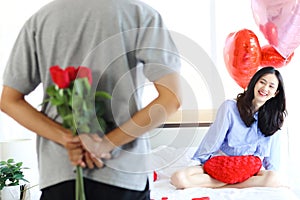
232,169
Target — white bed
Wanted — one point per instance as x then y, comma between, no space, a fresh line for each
163,188
166,160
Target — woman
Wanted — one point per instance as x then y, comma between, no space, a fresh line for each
243,127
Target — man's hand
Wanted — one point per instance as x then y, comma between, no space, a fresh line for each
80,155
92,161
96,146
75,152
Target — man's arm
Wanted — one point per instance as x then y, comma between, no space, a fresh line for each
154,114
14,104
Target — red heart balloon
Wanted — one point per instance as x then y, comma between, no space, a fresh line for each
279,22
232,169
271,57
242,56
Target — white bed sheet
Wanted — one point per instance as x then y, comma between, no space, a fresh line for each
166,160
162,188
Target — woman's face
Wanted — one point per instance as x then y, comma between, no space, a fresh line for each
264,89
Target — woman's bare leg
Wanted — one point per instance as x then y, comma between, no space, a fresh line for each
264,178
194,177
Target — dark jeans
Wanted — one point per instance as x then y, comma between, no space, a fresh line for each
93,191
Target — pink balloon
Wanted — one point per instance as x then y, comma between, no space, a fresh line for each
279,21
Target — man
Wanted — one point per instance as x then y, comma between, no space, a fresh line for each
124,42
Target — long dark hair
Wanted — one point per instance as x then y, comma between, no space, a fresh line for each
271,115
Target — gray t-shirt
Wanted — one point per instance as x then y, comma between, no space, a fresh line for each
124,42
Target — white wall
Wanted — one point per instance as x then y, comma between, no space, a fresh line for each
177,137
13,14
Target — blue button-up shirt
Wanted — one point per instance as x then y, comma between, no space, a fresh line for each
229,134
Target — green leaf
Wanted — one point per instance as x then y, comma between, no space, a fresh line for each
86,84
102,124
84,128
77,102
63,110
100,108
56,102
68,121
78,88
85,106
51,90
10,173
103,95
18,176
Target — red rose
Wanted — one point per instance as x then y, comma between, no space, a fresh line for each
63,77
60,77
83,72
72,72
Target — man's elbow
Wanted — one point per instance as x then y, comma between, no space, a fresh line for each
3,104
174,103
178,102
9,98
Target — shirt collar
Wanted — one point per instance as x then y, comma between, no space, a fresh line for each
255,116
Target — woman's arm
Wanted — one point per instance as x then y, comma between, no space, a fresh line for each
272,162
215,135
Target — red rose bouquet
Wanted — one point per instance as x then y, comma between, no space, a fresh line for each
80,109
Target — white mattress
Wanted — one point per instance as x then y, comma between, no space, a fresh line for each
162,188
166,160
